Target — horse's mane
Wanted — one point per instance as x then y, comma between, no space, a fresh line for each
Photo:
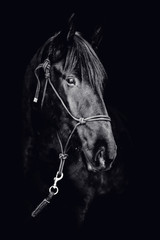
80,57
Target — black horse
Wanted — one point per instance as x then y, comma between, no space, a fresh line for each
68,133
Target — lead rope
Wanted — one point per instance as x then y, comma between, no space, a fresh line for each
53,189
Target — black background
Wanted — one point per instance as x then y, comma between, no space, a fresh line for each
126,52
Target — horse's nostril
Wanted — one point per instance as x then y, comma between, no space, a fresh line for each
101,159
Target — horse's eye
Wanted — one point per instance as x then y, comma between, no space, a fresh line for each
71,81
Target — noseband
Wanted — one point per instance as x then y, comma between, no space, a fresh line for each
53,189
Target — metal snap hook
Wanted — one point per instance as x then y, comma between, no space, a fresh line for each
53,190
58,177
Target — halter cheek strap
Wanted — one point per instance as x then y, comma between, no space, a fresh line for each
46,68
53,189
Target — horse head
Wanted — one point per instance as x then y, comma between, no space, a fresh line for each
72,99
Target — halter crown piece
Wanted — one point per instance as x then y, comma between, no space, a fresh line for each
53,189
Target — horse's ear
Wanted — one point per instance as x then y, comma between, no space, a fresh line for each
68,30
96,38
71,27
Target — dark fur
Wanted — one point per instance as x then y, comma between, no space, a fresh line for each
79,187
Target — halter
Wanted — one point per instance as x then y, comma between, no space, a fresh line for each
53,189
